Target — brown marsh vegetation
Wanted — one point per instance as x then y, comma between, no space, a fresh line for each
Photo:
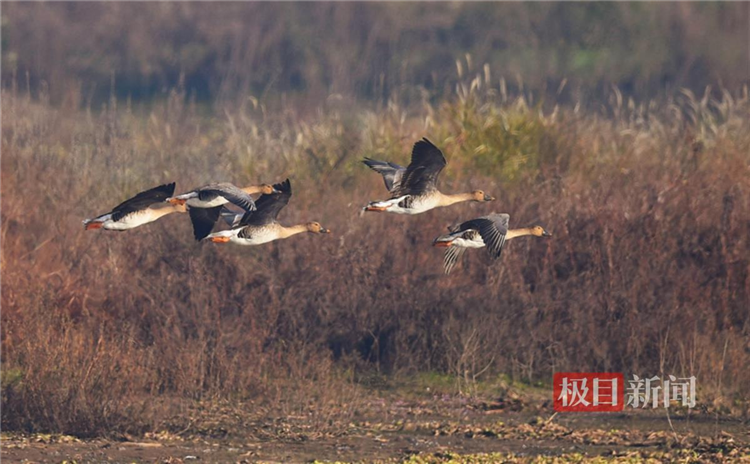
647,271
106,333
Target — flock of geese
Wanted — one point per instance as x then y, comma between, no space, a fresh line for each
413,190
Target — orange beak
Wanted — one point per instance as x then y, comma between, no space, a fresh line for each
93,225
177,201
375,208
442,244
220,239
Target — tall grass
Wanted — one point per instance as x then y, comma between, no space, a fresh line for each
101,332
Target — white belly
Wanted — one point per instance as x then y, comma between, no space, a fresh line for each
423,204
418,206
257,240
399,210
462,242
130,221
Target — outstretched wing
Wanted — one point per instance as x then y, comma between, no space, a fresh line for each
232,193
203,220
142,201
269,205
422,173
392,173
493,229
452,255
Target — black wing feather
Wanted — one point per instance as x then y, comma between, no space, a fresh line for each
203,220
422,173
269,205
143,200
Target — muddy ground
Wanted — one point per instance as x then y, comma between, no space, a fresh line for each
439,429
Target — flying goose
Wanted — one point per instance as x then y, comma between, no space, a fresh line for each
490,231
414,189
260,226
143,208
205,203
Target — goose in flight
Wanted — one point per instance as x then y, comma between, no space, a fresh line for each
489,231
147,206
205,203
414,189
260,226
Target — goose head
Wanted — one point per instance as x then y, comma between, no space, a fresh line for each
316,228
539,231
267,189
479,195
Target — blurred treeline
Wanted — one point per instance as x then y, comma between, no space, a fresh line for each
219,51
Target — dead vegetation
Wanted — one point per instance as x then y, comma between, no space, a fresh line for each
431,429
116,333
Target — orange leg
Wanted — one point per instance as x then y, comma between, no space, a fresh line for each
94,225
220,239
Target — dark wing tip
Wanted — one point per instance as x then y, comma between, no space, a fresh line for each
424,144
203,220
167,188
426,150
284,187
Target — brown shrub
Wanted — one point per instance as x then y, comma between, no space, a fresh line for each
647,271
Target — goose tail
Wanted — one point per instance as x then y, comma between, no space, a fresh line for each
377,206
95,223
181,199
444,241
223,236
92,224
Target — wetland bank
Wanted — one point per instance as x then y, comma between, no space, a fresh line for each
413,429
